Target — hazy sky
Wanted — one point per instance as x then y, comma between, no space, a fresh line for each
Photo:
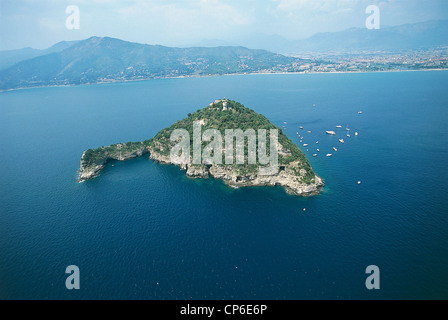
41,23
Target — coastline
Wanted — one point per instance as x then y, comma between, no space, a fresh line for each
230,178
220,75
291,171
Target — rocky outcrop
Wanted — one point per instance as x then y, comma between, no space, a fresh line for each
91,170
286,176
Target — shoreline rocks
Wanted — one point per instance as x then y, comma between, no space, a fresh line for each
87,172
285,178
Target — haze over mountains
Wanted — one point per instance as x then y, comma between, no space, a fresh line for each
418,36
104,59
107,59
8,58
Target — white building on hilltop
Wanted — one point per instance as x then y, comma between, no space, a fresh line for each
224,103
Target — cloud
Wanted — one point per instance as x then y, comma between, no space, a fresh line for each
187,11
40,23
327,6
182,21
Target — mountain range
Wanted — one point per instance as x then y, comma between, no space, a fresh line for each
417,36
8,58
104,59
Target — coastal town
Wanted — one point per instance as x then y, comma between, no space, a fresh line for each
374,61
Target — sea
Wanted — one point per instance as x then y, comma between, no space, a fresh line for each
143,230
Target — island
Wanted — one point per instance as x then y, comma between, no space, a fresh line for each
293,171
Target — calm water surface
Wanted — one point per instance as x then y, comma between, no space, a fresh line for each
143,230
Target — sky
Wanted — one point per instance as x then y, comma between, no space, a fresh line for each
42,23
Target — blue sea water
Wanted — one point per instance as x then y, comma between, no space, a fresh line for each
143,230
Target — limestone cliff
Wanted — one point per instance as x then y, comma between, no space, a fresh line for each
285,176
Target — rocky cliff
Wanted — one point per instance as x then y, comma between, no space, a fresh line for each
93,161
285,176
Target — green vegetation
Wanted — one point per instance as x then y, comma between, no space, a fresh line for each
235,116
115,151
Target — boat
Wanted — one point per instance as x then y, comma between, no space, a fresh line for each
305,144
315,155
341,140
359,182
317,141
359,112
285,122
338,126
356,133
329,154
347,129
330,132
309,131
348,135
300,127
335,149
318,150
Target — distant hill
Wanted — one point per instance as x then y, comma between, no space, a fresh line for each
418,36
8,58
273,43
107,59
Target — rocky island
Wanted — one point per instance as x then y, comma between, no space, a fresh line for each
293,171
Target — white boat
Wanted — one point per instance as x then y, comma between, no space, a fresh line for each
317,141
300,127
359,182
309,131
359,112
330,132
338,126
335,149
315,155
318,150
329,154
356,133
348,135
305,144
347,129
341,140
